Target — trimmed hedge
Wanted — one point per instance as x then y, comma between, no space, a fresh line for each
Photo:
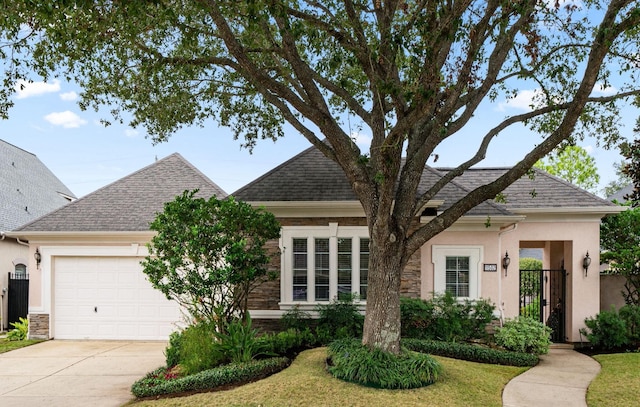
471,353
150,385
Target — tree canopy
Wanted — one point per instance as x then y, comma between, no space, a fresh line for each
572,164
208,254
410,74
620,244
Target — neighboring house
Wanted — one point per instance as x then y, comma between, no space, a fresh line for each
89,284
324,243
621,194
28,190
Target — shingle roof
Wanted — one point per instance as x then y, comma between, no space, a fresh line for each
28,189
130,203
540,191
310,176
620,195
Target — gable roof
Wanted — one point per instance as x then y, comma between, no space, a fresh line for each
310,176
28,189
130,203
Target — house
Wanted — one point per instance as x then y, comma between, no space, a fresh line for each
89,283
28,190
324,243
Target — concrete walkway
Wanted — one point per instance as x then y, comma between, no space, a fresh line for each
76,373
560,379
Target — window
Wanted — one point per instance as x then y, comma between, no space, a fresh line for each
457,270
299,269
323,262
20,271
457,276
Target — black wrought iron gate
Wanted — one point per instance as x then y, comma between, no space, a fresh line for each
542,297
18,297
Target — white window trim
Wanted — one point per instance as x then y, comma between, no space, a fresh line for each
333,232
439,253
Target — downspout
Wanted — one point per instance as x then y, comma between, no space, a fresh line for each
507,229
21,242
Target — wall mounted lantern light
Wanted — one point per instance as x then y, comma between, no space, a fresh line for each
38,257
505,262
586,262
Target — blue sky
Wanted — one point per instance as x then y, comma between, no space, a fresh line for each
85,155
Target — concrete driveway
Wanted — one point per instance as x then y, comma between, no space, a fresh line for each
76,373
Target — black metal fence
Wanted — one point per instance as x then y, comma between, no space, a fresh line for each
18,297
542,297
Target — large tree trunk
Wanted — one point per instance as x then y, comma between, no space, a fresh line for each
382,318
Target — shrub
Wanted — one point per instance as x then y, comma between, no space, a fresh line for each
209,379
630,313
608,330
353,362
172,352
471,353
197,348
524,334
445,318
339,319
239,343
532,310
287,343
20,330
295,318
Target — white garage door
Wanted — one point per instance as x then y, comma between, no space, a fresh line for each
109,298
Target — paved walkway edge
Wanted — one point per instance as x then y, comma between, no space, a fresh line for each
560,379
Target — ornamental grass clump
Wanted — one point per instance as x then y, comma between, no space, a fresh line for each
351,361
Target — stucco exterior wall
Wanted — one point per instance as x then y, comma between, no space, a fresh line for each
488,240
566,243
611,287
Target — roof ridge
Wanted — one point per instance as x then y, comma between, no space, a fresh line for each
197,171
19,148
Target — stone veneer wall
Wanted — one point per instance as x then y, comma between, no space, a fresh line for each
267,295
38,326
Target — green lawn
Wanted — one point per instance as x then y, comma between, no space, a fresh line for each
306,383
6,346
618,383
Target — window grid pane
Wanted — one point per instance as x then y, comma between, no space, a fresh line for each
300,269
364,267
344,267
457,276
322,269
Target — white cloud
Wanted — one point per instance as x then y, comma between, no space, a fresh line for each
589,149
601,89
26,89
361,140
69,96
130,132
66,119
523,100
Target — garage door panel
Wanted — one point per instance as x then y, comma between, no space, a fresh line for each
109,298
